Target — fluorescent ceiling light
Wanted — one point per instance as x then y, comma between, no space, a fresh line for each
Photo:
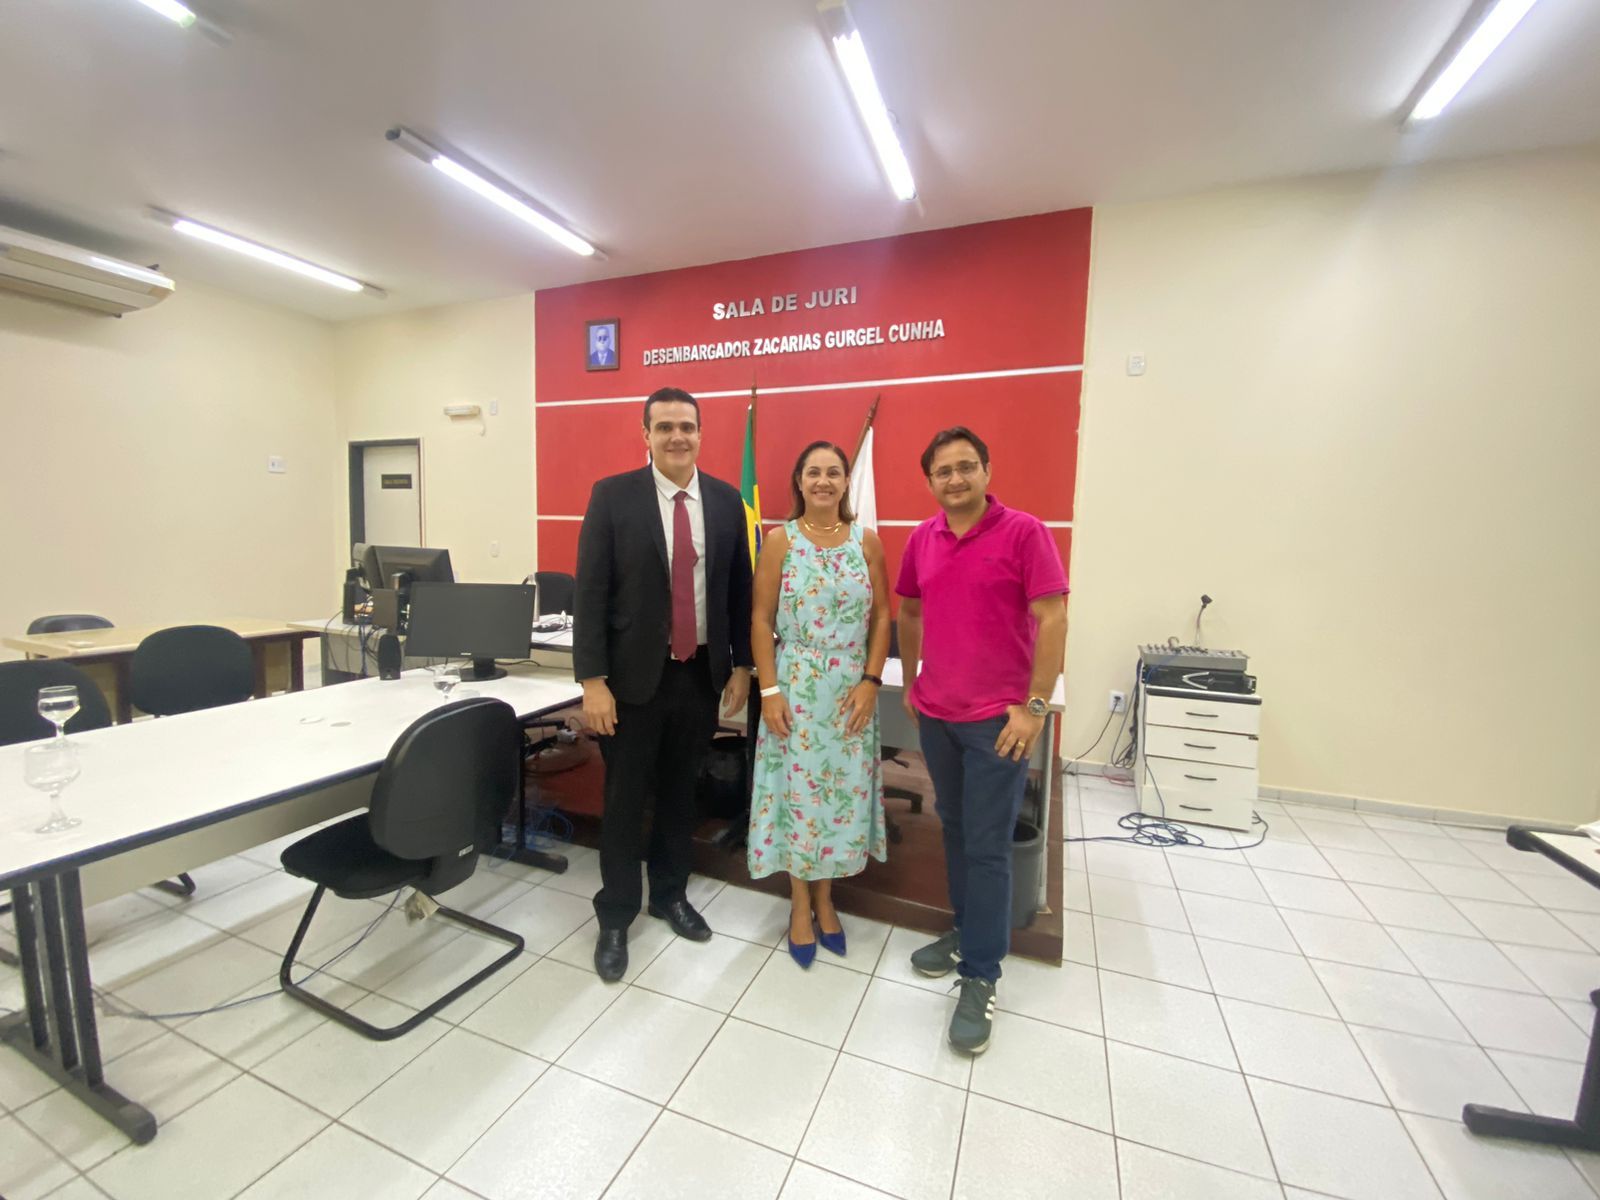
851,52
1498,22
502,196
172,11
267,255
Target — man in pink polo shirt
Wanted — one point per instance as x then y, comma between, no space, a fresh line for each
983,606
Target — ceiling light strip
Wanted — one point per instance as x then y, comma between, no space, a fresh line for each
851,53
266,254
497,192
1496,25
172,11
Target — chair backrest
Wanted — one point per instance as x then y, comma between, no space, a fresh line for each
67,622
19,699
554,592
446,785
190,667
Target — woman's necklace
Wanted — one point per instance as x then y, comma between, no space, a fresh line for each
834,528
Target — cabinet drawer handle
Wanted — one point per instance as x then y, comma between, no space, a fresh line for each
1207,716
1202,778
1198,746
1196,807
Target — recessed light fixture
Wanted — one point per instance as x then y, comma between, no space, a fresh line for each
172,11
498,193
1495,23
266,254
851,53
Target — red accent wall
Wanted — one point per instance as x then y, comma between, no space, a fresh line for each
1011,295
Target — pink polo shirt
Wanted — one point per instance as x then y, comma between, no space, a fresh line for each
978,633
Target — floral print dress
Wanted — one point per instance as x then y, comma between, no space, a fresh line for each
817,807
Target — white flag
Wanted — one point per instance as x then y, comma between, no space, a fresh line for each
863,489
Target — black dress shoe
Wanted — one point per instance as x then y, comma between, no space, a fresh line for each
611,954
685,922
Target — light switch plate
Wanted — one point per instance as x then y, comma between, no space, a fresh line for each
276,465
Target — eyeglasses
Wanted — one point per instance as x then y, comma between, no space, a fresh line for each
964,469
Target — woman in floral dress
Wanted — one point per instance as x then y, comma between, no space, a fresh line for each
817,810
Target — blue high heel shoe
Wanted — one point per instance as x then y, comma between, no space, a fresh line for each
832,941
804,954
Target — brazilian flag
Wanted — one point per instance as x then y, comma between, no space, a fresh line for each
748,488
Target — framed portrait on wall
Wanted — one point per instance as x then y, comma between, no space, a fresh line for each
603,344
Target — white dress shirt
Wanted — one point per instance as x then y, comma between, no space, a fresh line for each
665,491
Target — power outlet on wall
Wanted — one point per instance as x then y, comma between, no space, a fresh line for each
1119,701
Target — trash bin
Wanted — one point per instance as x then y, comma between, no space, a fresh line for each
1027,866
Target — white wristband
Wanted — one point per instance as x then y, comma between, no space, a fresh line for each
774,690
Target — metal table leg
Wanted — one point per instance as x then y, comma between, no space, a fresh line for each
57,1031
522,853
1582,1131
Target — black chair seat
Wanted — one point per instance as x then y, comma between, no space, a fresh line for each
436,805
344,859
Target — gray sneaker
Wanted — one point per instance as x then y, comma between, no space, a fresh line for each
969,1028
939,958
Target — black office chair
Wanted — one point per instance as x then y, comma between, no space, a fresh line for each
67,622
436,805
554,592
185,669
20,682
891,754
19,713
190,667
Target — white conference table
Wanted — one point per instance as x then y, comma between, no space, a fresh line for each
301,757
554,648
1580,854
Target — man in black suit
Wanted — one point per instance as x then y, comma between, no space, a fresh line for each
661,624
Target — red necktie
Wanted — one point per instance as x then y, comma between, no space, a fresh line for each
684,639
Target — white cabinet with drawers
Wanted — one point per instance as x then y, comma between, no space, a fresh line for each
1197,756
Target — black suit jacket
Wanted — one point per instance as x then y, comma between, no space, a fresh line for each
622,615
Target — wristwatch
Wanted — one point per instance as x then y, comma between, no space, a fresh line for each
865,678
1037,707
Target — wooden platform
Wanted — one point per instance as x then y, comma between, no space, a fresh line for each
908,889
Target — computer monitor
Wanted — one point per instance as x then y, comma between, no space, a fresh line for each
419,564
480,621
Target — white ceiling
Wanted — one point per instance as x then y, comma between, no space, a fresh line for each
674,132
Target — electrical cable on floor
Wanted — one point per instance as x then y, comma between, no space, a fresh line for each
1147,830
115,1008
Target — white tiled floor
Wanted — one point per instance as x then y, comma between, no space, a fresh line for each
1299,1020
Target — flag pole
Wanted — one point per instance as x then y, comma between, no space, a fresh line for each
865,426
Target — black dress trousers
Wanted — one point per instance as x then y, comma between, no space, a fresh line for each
655,754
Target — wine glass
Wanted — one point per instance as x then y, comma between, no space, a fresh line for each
50,766
58,705
445,678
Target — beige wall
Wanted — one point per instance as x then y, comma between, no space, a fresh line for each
133,464
1370,429
395,376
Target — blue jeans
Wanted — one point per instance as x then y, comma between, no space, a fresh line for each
978,795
